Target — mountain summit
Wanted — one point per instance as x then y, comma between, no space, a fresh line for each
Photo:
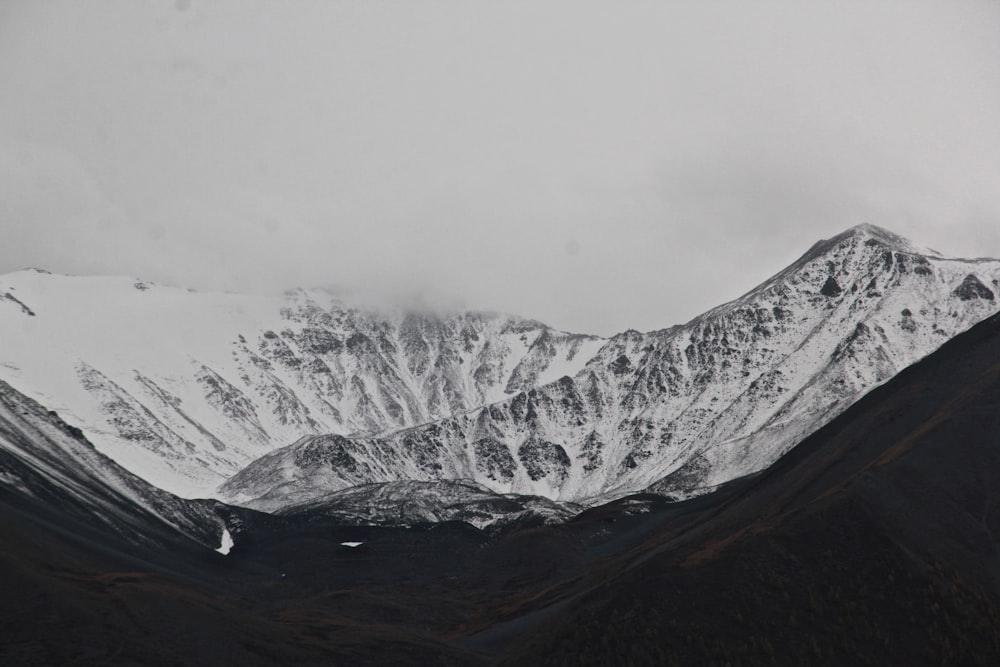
879,235
680,410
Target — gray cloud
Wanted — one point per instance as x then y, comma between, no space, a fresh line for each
594,165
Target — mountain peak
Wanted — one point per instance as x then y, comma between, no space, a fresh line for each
867,229
873,234
868,234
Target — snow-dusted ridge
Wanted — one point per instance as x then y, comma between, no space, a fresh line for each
284,399
683,409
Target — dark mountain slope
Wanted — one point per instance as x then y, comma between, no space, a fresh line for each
99,568
872,542
48,466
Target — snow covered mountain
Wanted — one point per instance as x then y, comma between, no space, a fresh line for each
186,388
882,524
681,410
286,399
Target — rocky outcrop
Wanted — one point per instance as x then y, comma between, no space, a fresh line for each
973,288
408,502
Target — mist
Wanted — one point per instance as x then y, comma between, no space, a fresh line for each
594,165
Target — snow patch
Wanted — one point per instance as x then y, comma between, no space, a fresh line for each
227,543
352,545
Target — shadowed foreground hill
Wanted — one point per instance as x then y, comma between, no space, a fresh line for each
872,542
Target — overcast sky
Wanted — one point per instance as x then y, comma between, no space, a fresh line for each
596,165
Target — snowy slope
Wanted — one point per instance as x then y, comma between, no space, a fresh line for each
186,388
684,409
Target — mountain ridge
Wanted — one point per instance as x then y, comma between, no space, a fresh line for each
196,392
752,377
188,387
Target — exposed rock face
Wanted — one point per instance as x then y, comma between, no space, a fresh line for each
409,502
495,460
684,409
973,288
543,459
831,288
